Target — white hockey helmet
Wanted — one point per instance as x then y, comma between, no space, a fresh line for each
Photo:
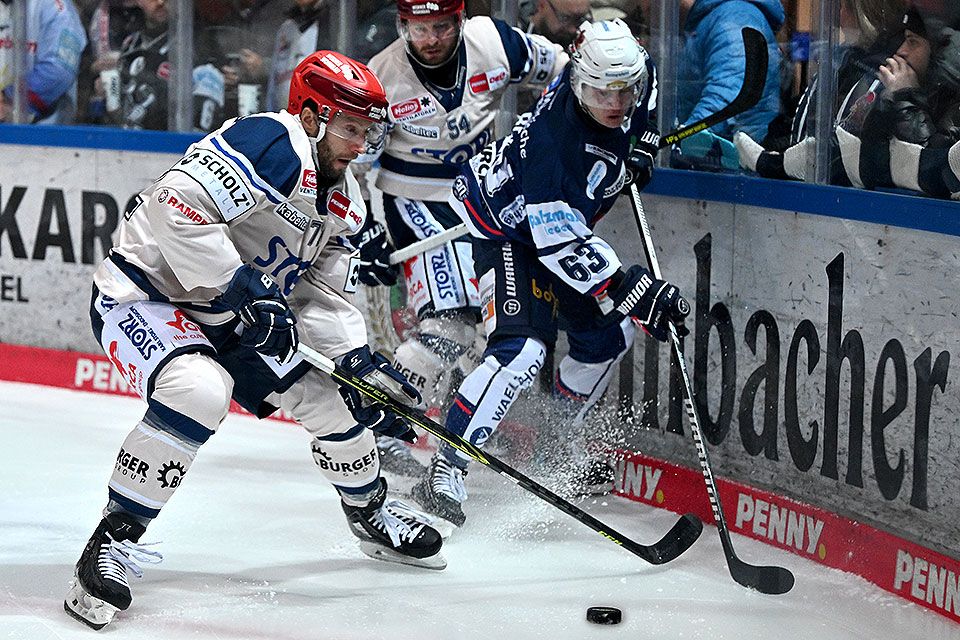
608,67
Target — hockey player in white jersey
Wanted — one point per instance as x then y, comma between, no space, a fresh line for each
531,201
444,78
220,267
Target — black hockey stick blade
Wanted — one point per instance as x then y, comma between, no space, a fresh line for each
683,534
754,80
765,579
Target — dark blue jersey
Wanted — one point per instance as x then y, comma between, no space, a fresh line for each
549,182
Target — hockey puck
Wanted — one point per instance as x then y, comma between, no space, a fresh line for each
604,615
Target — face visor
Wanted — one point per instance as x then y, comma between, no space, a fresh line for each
420,35
356,130
610,106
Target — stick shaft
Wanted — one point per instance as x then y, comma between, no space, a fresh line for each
677,540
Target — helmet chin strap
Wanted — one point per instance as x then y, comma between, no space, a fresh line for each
324,118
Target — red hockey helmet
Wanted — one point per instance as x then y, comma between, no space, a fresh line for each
413,9
337,84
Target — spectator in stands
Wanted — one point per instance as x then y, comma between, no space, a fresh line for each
111,21
711,74
307,29
896,135
559,20
871,31
55,40
145,72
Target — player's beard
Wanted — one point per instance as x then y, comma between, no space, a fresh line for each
327,173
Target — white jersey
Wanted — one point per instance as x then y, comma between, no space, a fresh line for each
435,130
246,193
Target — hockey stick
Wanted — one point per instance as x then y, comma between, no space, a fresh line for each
683,534
765,579
754,80
430,242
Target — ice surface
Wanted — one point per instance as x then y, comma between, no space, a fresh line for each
256,547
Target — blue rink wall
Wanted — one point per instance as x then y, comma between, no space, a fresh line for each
823,328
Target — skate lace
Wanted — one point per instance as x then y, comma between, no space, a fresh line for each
117,557
400,521
448,480
394,446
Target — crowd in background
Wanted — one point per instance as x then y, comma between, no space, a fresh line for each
896,69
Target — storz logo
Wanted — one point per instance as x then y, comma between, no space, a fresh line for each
446,288
417,218
140,334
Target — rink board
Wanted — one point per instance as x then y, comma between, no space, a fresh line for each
824,321
899,566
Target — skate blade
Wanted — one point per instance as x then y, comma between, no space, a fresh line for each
444,527
436,562
93,612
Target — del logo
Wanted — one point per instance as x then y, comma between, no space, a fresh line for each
489,80
163,71
339,205
414,108
308,184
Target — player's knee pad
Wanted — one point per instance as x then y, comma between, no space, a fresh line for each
509,366
427,359
154,459
349,461
195,386
585,372
315,403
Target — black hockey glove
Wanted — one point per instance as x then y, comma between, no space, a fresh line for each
375,250
377,417
639,164
652,303
376,370
269,325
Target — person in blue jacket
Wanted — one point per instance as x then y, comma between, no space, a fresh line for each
711,73
55,40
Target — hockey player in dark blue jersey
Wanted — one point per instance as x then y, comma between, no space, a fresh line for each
531,201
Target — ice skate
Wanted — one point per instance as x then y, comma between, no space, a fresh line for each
100,587
594,478
397,458
395,532
441,492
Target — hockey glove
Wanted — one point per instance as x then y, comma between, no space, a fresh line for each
639,165
653,304
375,250
376,370
377,417
269,325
